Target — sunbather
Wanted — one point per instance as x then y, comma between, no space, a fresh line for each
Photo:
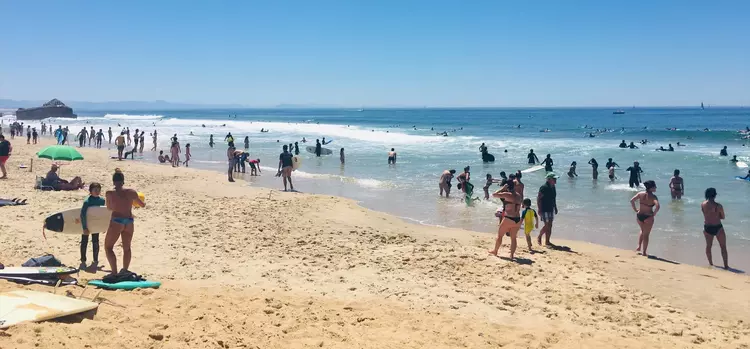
53,180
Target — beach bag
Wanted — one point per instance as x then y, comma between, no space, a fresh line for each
43,261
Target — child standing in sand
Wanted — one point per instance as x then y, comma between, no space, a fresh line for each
187,154
93,200
530,221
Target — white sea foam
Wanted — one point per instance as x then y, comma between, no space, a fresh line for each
132,117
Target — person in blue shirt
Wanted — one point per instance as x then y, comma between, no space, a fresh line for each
94,199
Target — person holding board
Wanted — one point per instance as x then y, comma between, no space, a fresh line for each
93,200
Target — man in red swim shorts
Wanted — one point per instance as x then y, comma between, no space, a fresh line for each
5,150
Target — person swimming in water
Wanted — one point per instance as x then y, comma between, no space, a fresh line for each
532,157
723,151
713,213
547,162
677,185
734,159
632,146
645,213
623,144
670,147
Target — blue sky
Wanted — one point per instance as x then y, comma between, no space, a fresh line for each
379,53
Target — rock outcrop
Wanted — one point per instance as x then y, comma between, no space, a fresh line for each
51,109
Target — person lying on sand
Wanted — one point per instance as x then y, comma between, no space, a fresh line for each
53,180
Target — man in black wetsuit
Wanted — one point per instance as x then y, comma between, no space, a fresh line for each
723,152
623,144
635,175
532,157
318,148
548,163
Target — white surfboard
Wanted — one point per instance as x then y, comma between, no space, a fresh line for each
34,271
23,305
323,151
296,161
533,169
69,221
741,164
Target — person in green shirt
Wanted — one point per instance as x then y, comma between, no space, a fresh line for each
95,190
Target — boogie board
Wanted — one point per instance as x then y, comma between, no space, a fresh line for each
69,221
296,161
323,151
125,285
36,271
23,305
741,164
533,169
742,178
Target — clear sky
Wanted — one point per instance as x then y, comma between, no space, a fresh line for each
379,52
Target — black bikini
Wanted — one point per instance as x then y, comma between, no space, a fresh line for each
712,229
644,217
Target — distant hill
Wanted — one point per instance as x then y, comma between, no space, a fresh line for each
118,105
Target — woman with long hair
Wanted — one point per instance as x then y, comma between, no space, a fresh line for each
645,213
511,218
713,213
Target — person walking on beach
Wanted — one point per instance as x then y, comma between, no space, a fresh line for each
5,150
392,157
645,213
445,182
120,203
530,221
109,133
92,136
127,134
285,167
187,154
677,185
136,138
635,175
594,168
230,161
532,157
547,162
34,135
546,202
82,137
120,143
153,136
93,200
713,213
175,151
99,139
142,140
511,219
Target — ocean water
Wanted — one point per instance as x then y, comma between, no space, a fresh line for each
595,211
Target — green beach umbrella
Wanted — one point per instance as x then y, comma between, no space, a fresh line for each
60,152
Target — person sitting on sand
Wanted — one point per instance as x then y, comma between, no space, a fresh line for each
713,213
120,202
163,158
54,181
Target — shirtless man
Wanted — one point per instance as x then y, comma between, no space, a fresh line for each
120,202
120,142
392,157
677,185
713,213
285,167
445,182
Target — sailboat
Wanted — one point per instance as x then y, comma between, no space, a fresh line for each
702,107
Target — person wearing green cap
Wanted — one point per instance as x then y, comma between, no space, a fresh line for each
546,201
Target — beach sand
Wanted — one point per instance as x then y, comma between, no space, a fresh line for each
247,267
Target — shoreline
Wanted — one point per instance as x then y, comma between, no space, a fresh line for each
303,270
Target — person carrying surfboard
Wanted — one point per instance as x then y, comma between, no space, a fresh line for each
120,202
95,190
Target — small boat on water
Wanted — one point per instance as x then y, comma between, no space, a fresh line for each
618,112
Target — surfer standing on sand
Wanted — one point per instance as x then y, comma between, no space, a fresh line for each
285,167
120,202
713,213
532,157
445,182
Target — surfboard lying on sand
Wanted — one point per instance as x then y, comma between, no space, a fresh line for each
323,151
36,271
51,281
533,169
296,161
23,305
125,285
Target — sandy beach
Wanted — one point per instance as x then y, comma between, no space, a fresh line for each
250,267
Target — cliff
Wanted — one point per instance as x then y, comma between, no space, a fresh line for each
51,109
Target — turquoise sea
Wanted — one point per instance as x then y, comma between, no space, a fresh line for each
595,211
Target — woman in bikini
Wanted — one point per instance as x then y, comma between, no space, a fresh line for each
511,219
713,213
648,208
120,202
